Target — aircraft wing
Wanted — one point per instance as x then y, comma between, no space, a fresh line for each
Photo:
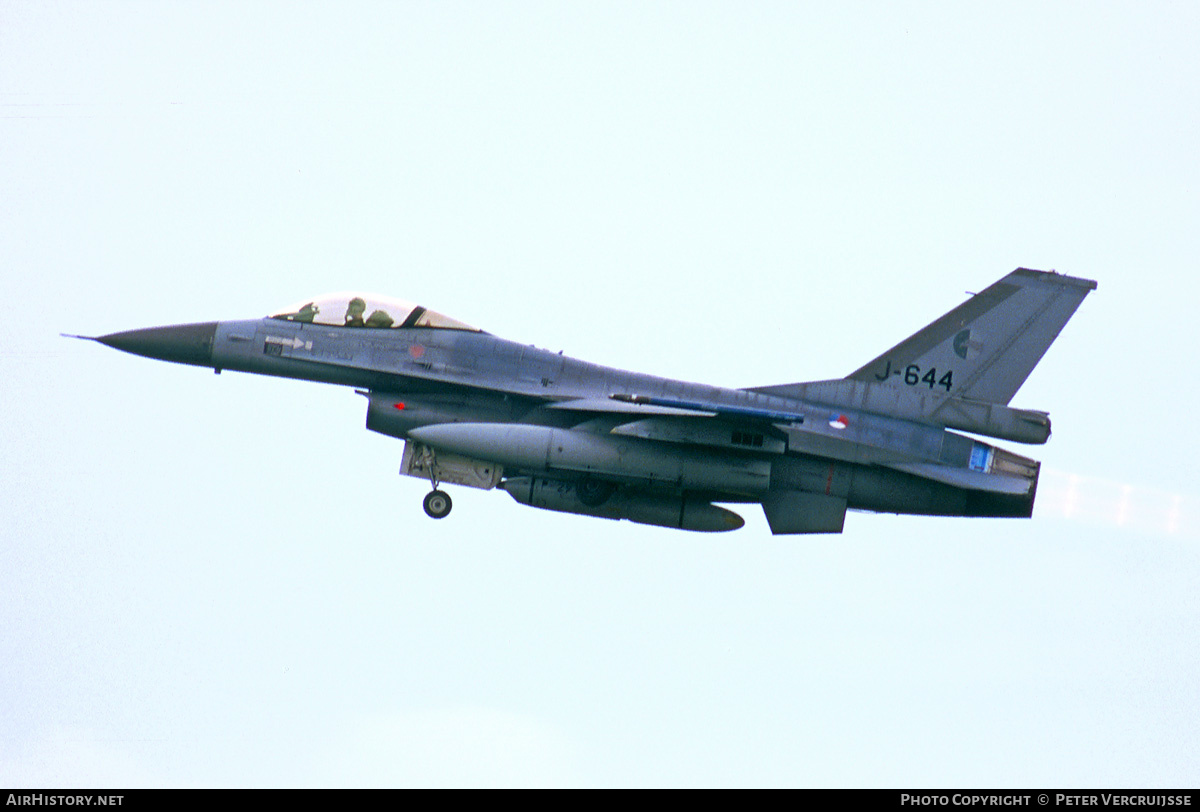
620,407
710,409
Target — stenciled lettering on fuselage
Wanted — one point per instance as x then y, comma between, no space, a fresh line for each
274,345
913,375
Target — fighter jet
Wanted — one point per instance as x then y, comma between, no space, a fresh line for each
897,435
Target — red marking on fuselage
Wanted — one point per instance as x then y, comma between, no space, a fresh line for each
399,405
416,350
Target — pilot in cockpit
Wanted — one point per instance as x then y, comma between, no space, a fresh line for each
354,313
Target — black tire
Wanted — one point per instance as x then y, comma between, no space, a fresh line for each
437,504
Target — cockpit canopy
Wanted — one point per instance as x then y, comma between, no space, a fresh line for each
367,310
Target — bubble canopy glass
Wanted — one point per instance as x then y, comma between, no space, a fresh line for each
367,310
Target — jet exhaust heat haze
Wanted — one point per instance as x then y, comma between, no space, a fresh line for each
562,434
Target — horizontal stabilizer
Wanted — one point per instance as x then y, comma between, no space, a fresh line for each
921,405
988,470
966,479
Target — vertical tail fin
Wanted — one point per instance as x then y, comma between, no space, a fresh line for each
985,348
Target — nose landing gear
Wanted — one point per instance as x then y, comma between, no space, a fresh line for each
437,504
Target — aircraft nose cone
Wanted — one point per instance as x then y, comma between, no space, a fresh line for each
182,343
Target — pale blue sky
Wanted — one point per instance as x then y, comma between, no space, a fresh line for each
222,581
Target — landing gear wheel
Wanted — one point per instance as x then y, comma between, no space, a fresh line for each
437,504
